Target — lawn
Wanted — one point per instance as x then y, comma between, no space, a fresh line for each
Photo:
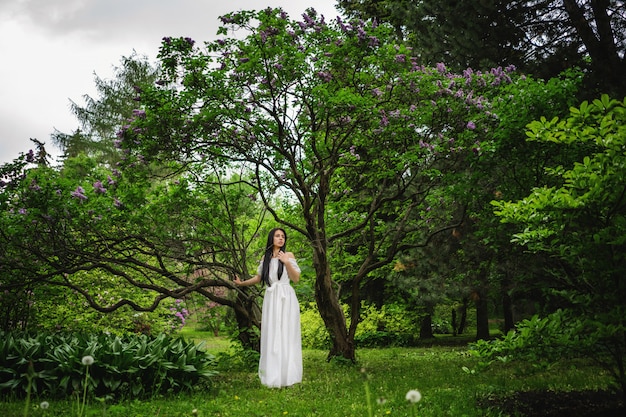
446,377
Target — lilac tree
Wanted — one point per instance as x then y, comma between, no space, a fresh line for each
123,239
332,119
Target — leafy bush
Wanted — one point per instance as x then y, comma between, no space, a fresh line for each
391,325
136,365
314,333
543,341
240,357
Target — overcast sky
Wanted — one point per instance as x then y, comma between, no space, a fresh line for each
51,50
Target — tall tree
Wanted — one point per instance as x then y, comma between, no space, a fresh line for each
101,117
335,117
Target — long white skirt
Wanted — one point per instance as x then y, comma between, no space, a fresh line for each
280,364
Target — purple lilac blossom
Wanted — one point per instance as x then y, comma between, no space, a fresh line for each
384,121
79,193
325,75
342,26
309,21
361,34
99,188
139,113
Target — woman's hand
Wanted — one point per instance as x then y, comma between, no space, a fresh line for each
292,272
283,257
252,281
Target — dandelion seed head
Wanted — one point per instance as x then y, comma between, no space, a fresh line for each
44,405
87,360
413,396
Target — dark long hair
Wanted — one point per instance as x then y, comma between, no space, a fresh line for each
265,269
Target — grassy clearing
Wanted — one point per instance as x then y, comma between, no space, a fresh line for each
338,389
209,342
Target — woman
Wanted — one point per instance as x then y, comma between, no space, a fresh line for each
280,364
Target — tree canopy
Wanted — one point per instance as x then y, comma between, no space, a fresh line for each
334,117
541,37
337,130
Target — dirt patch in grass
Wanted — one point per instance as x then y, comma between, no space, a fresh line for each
558,404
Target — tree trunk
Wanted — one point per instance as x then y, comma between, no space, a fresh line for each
600,43
507,307
248,316
463,319
482,315
330,310
426,328
480,299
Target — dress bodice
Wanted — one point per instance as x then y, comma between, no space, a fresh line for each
274,262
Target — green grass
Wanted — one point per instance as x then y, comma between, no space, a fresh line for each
209,342
339,389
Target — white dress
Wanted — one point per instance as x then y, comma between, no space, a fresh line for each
280,364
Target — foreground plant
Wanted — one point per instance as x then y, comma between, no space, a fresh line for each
30,375
87,361
413,397
143,365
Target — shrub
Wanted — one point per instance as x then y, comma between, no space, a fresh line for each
391,325
314,333
538,341
138,365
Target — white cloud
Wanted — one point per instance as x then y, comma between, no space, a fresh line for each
51,49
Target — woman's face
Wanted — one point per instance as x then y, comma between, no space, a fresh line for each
279,239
